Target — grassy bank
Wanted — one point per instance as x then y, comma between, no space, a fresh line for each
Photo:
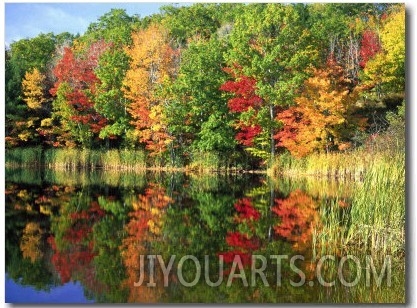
76,159
350,166
123,160
373,222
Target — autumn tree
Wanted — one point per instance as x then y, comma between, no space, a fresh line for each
247,105
23,129
23,57
74,90
298,217
33,89
321,119
31,241
247,239
151,63
370,45
274,50
143,230
384,73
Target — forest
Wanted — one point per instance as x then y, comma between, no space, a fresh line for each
285,122
222,85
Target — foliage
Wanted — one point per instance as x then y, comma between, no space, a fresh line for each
187,22
232,83
33,89
109,99
31,241
275,51
298,219
198,112
151,63
247,104
74,88
319,119
385,72
370,46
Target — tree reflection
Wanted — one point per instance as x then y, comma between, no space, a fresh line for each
298,215
102,236
143,230
30,243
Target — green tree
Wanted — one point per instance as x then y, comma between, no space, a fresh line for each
198,114
271,44
109,99
114,26
186,22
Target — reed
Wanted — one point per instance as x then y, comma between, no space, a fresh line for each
373,221
364,292
23,157
133,159
67,159
204,161
378,208
351,165
76,159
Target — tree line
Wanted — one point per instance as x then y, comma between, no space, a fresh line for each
239,81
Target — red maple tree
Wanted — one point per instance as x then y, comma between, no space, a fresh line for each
244,100
77,72
370,45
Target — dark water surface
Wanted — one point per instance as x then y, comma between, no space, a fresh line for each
77,237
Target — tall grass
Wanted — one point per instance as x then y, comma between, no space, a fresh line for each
350,165
24,157
378,208
123,159
374,221
203,161
76,159
371,223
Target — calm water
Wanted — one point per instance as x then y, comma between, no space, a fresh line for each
102,237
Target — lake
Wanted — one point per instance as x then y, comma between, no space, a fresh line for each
114,237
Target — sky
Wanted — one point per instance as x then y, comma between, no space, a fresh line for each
27,20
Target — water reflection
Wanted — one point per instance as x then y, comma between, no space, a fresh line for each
97,229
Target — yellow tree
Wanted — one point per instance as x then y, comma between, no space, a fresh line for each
321,116
33,91
385,73
151,63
